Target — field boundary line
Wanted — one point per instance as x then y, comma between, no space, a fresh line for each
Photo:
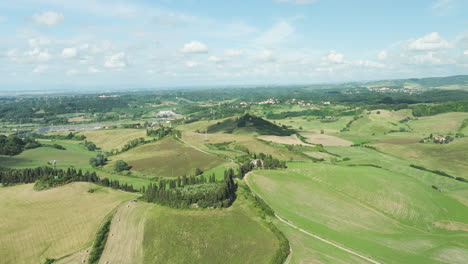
313,235
185,142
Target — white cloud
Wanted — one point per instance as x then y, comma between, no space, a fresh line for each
429,42
333,57
37,54
280,32
297,2
13,53
234,52
444,7
367,64
48,18
466,52
265,55
194,47
36,42
117,60
191,64
215,59
40,69
382,55
428,58
69,52
93,69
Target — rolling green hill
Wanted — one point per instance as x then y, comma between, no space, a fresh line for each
384,215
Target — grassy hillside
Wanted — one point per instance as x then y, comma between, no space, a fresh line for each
234,140
74,155
451,158
166,158
378,213
232,235
53,223
113,138
125,240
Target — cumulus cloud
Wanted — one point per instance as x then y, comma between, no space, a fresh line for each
234,52
40,69
38,55
48,18
429,42
117,60
333,57
69,52
278,33
297,2
194,47
191,64
382,55
265,55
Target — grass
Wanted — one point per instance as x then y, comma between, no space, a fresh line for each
74,155
313,124
125,241
388,216
452,157
438,124
53,223
166,158
113,138
247,141
232,235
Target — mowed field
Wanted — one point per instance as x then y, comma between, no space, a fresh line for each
231,235
52,223
125,241
74,155
326,140
247,141
167,157
451,158
288,140
113,138
390,217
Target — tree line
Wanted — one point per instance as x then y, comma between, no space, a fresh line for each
184,192
47,177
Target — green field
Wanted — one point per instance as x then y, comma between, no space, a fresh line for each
54,223
166,158
113,138
74,155
388,216
232,235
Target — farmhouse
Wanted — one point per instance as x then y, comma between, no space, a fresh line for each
257,163
440,139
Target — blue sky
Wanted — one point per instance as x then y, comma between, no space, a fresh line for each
143,44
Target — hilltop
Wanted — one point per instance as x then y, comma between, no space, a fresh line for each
249,123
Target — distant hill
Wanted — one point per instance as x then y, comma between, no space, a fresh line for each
250,123
458,82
